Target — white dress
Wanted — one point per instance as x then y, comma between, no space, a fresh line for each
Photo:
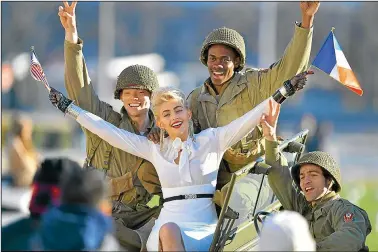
196,172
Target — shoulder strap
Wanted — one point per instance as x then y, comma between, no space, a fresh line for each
92,151
97,142
117,122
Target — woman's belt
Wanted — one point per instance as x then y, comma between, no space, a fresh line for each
188,196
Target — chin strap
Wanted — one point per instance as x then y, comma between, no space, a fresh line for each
328,190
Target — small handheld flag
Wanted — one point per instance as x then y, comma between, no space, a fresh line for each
331,60
36,70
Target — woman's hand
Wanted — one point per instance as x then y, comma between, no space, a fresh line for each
269,121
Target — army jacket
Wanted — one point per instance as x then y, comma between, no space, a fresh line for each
244,92
335,223
136,179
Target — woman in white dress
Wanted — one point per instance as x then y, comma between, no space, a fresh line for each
187,163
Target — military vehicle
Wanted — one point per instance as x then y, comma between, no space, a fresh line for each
245,236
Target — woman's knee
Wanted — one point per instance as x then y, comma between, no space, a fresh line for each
169,229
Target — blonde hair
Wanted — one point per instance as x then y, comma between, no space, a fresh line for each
165,94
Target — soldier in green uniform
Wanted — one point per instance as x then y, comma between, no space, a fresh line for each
335,223
132,180
229,93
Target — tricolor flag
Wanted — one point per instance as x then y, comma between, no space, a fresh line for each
331,60
36,70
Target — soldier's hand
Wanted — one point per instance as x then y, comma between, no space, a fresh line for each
309,8
269,121
67,15
299,80
154,135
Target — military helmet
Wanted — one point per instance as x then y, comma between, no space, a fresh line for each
224,36
137,77
323,160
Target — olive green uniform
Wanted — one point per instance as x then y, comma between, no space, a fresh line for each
244,92
133,181
335,223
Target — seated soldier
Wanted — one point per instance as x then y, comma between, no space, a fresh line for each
335,223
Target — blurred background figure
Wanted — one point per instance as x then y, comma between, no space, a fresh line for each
286,231
309,122
82,221
46,193
23,158
318,132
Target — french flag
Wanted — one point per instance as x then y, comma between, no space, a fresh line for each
331,60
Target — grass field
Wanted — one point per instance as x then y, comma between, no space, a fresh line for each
365,195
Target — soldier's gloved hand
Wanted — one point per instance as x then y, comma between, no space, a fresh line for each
59,100
299,81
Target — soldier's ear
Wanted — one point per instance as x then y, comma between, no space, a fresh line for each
329,183
237,62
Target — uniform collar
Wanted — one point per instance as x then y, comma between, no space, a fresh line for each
231,89
325,199
212,91
125,116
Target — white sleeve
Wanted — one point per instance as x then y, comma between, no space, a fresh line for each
119,138
233,132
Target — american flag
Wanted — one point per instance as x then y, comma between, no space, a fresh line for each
36,70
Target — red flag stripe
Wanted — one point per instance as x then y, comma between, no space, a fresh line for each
37,74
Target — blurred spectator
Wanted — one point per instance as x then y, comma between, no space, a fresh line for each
286,231
23,158
318,131
7,77
82,221
325,131
46,192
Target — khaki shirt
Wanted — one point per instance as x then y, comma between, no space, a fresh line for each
243,93
335,223
134,177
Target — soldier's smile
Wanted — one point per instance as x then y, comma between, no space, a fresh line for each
217,75
134,105
309,190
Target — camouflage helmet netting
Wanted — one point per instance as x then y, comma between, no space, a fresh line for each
138,77
322,159
224,36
